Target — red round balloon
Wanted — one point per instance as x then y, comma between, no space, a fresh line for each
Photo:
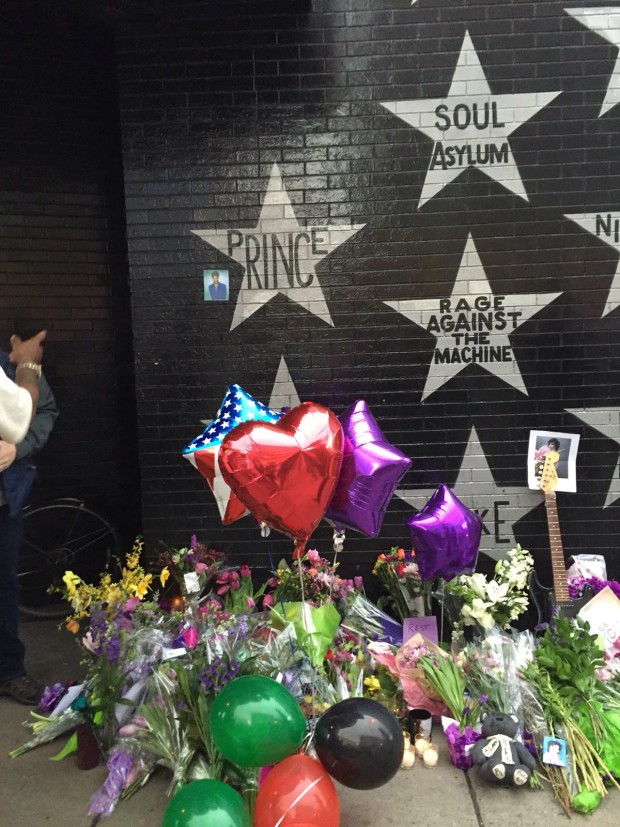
286,473
297,792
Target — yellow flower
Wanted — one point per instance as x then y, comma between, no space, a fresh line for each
141,588
71,580
372,683
72,626
163,577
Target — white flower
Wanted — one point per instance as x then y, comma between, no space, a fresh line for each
477,583
497,592
474,613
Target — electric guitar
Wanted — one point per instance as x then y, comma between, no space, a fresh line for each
556,601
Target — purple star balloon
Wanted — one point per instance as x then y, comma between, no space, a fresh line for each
371,470
445,536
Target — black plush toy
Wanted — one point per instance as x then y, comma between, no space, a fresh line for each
501,759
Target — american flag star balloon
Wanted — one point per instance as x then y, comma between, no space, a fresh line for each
203,451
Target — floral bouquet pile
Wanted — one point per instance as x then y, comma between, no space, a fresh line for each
407,595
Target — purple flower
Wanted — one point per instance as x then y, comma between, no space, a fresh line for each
50,697
193,542
483,699
113,649
578,584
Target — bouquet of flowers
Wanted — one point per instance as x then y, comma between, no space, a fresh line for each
407,595
192,568
576,706
496,602
311,578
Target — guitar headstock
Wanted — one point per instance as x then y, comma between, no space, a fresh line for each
546,473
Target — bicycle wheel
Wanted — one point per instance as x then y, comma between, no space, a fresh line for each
61,535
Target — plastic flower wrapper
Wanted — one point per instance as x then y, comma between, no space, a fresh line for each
166,735
46,729
345,664
407,594
105,799
413,694
491,666
315,626
365,618
460,741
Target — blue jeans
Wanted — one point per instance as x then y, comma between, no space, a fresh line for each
11,648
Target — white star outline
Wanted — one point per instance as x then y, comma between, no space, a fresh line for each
476,476
277,220
605,21
470,87
471,284
591,223
607,422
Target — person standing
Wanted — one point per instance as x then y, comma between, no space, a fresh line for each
16,478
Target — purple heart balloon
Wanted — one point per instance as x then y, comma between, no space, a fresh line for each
371,470
445,536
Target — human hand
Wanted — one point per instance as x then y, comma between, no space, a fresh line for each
7,454
27,350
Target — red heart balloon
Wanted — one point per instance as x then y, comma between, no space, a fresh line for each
285,473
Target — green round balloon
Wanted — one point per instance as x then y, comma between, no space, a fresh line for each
206,803
255,721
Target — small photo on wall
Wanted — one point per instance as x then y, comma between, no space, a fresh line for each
560,450
554,751
216,288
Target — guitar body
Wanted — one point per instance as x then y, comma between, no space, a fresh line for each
548,608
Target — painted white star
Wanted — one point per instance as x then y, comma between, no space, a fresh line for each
607,422
605,21
605,226
470,126
279,254
474,325
499,507
284,393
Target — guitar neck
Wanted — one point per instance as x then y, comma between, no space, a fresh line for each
558,566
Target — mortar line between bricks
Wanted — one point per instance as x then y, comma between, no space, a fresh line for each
474,800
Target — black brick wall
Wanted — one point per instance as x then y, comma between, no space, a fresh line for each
63,261
213,95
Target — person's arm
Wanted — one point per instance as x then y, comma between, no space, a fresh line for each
42,423
15,410
27,355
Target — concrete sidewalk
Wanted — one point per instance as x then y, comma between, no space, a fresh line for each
36,791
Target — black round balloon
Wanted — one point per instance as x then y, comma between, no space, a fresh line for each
359,743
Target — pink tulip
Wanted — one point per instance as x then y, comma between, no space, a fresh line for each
244,571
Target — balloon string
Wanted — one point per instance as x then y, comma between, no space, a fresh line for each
281,604
297,800
304,613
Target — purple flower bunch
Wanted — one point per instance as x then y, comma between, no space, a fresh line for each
217,674
577,585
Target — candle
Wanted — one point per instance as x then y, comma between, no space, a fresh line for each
406,740
421,743
408,759
431,756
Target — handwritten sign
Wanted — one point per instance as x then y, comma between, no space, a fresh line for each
426,626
